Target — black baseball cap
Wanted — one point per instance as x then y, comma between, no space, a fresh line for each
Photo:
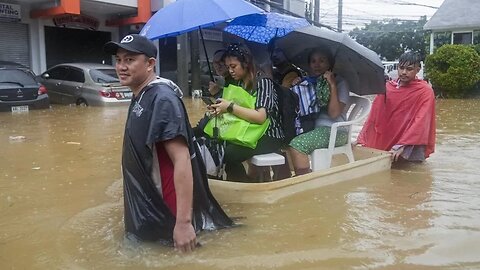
133,43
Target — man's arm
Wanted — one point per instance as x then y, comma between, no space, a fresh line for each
184,237
289,79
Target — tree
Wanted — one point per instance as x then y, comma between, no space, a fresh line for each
453,70
391,38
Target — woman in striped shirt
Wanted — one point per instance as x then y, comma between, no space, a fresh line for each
241,67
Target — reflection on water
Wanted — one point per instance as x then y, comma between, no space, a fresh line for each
61,205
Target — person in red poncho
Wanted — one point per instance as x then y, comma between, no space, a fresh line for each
403,120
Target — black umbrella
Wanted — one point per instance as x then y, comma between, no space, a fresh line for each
358,65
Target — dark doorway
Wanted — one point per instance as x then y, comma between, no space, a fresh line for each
167,48
64,45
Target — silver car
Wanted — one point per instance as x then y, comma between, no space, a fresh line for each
85,84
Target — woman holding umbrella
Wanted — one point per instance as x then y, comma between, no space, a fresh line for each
241,66
323,98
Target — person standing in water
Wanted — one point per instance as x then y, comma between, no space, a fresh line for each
403,120
166,194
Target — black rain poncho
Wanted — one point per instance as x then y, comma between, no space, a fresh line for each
158,114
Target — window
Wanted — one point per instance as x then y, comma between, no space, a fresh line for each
58,73
104,75
75,75
15,76
462,38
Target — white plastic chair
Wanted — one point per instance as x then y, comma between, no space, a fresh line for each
267,160
322,158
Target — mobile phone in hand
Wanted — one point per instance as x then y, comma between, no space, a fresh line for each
209,100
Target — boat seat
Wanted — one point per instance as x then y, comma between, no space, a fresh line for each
267,160
358,110
270,159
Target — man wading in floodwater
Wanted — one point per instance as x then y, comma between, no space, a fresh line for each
166,194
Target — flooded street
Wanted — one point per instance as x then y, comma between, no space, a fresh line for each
61,204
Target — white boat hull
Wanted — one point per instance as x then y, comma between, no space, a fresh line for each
367,161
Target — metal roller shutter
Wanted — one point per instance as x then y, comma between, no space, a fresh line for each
14,43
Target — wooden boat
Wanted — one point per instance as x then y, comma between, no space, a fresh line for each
367,161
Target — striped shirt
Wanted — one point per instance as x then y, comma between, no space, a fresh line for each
267,98
306,97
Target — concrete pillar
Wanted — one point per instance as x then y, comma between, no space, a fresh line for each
432,44
195,60
182,67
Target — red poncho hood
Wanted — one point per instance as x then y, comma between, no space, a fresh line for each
406,116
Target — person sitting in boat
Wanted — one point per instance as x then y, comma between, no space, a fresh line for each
223,77
215,88
211,147
241,66
323,97
403,120
284,72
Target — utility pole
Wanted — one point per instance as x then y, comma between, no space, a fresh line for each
195,60
266,6
316,11
340,15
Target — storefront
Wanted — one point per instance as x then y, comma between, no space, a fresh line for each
40,34
14,41
75,38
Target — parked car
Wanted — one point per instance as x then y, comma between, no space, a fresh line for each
19,90
85,84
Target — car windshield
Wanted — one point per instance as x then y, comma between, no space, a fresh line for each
16,76
108,75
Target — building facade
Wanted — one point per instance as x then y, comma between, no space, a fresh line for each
455,22
42,33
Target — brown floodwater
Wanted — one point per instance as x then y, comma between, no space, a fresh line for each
61,205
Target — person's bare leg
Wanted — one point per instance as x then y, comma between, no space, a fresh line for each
301,162
252,171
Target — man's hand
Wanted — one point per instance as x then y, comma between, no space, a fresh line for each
396,153
296,81
355,143
184,237
213,88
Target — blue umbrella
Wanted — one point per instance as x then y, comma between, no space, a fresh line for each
186,15
183,16
261,28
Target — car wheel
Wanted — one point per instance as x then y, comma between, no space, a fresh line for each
82,102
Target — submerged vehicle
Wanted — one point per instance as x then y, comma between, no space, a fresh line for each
86,84
19,90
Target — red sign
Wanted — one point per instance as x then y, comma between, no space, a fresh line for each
76,21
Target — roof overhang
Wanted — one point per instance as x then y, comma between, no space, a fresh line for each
65,7
121,15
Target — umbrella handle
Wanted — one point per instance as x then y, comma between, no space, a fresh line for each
215,129
206,55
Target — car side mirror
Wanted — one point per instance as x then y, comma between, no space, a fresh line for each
45,76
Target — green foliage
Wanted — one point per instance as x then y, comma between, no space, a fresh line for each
476,48
453,70
393,37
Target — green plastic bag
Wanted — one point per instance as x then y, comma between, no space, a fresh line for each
234,129
322,92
